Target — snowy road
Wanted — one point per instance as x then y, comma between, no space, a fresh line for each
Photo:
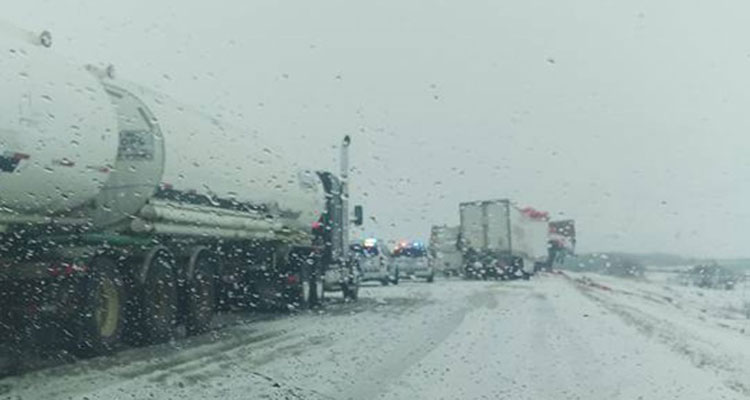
550,338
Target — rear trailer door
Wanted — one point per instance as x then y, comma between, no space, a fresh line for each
495,219
472,225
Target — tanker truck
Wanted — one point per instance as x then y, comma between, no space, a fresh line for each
500,240
124,215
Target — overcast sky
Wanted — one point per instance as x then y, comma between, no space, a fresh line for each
631,117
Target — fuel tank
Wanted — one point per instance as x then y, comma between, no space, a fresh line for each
206,157
76,142
58,131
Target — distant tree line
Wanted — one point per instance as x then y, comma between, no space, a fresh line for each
711,276
617,264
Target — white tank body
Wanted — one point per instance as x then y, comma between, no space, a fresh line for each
77,144
202,155
58,131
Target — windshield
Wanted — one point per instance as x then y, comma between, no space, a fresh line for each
331,199
365,250
410,252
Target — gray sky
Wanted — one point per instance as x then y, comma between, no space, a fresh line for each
630,117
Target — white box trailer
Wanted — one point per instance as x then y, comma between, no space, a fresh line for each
499,239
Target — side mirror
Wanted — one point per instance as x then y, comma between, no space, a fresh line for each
358,216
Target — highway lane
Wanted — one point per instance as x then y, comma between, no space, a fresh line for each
542,339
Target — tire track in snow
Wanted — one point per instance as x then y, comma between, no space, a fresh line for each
415,348
699,351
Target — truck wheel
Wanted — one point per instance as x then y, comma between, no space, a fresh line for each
99,324
320,291
395,278
159,298
201,293
9,362
351,290
385,281
305,292
307,286
431,278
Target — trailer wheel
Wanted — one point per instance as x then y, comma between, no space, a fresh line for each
159,298
99,325
201,292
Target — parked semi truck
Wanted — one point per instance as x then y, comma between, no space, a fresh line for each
445,255
500,240
124,214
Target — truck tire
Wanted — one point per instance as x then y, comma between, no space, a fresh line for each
200,299
9,362
99,325
395,278
351,291
320,291
431,278
350,288
306,289
304,265
159,298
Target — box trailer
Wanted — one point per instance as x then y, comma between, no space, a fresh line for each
500,240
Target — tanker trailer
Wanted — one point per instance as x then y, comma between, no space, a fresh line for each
124,214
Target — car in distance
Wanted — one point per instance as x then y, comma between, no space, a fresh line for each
373,261
411,259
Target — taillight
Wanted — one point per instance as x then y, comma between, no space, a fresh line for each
292,279
65,269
